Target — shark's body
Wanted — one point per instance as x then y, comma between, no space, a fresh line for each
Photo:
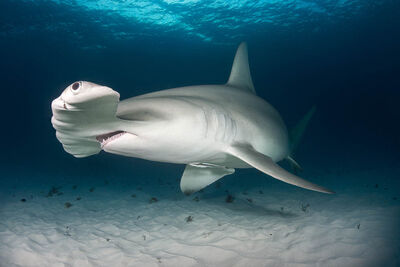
213,129
211,118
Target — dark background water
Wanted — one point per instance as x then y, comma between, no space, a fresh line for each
349,66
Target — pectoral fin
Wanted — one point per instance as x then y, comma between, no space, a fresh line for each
197,176
268,166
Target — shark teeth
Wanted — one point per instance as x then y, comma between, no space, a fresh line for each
108,137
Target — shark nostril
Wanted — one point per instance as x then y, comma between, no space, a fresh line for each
76,86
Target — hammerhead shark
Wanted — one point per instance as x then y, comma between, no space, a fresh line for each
212,129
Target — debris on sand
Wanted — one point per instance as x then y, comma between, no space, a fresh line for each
153,199
67,229
189,219
67,205
304,207
54,191
229,198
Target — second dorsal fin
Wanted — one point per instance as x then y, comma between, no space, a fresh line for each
240,74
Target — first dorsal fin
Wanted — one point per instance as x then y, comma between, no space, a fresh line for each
240,73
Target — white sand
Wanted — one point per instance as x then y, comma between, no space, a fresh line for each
109,227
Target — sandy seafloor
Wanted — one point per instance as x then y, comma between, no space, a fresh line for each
115,223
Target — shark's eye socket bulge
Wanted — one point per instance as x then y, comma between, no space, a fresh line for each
76,86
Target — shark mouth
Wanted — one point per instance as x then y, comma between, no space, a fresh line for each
104,139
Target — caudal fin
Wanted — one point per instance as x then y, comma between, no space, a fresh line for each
295,137
298,131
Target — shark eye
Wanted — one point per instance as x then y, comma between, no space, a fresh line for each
76,86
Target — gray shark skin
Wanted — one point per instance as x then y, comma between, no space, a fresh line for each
213,129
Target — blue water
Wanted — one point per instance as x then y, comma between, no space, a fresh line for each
342,56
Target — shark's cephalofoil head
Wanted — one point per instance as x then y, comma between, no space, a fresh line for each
84,117
82,93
